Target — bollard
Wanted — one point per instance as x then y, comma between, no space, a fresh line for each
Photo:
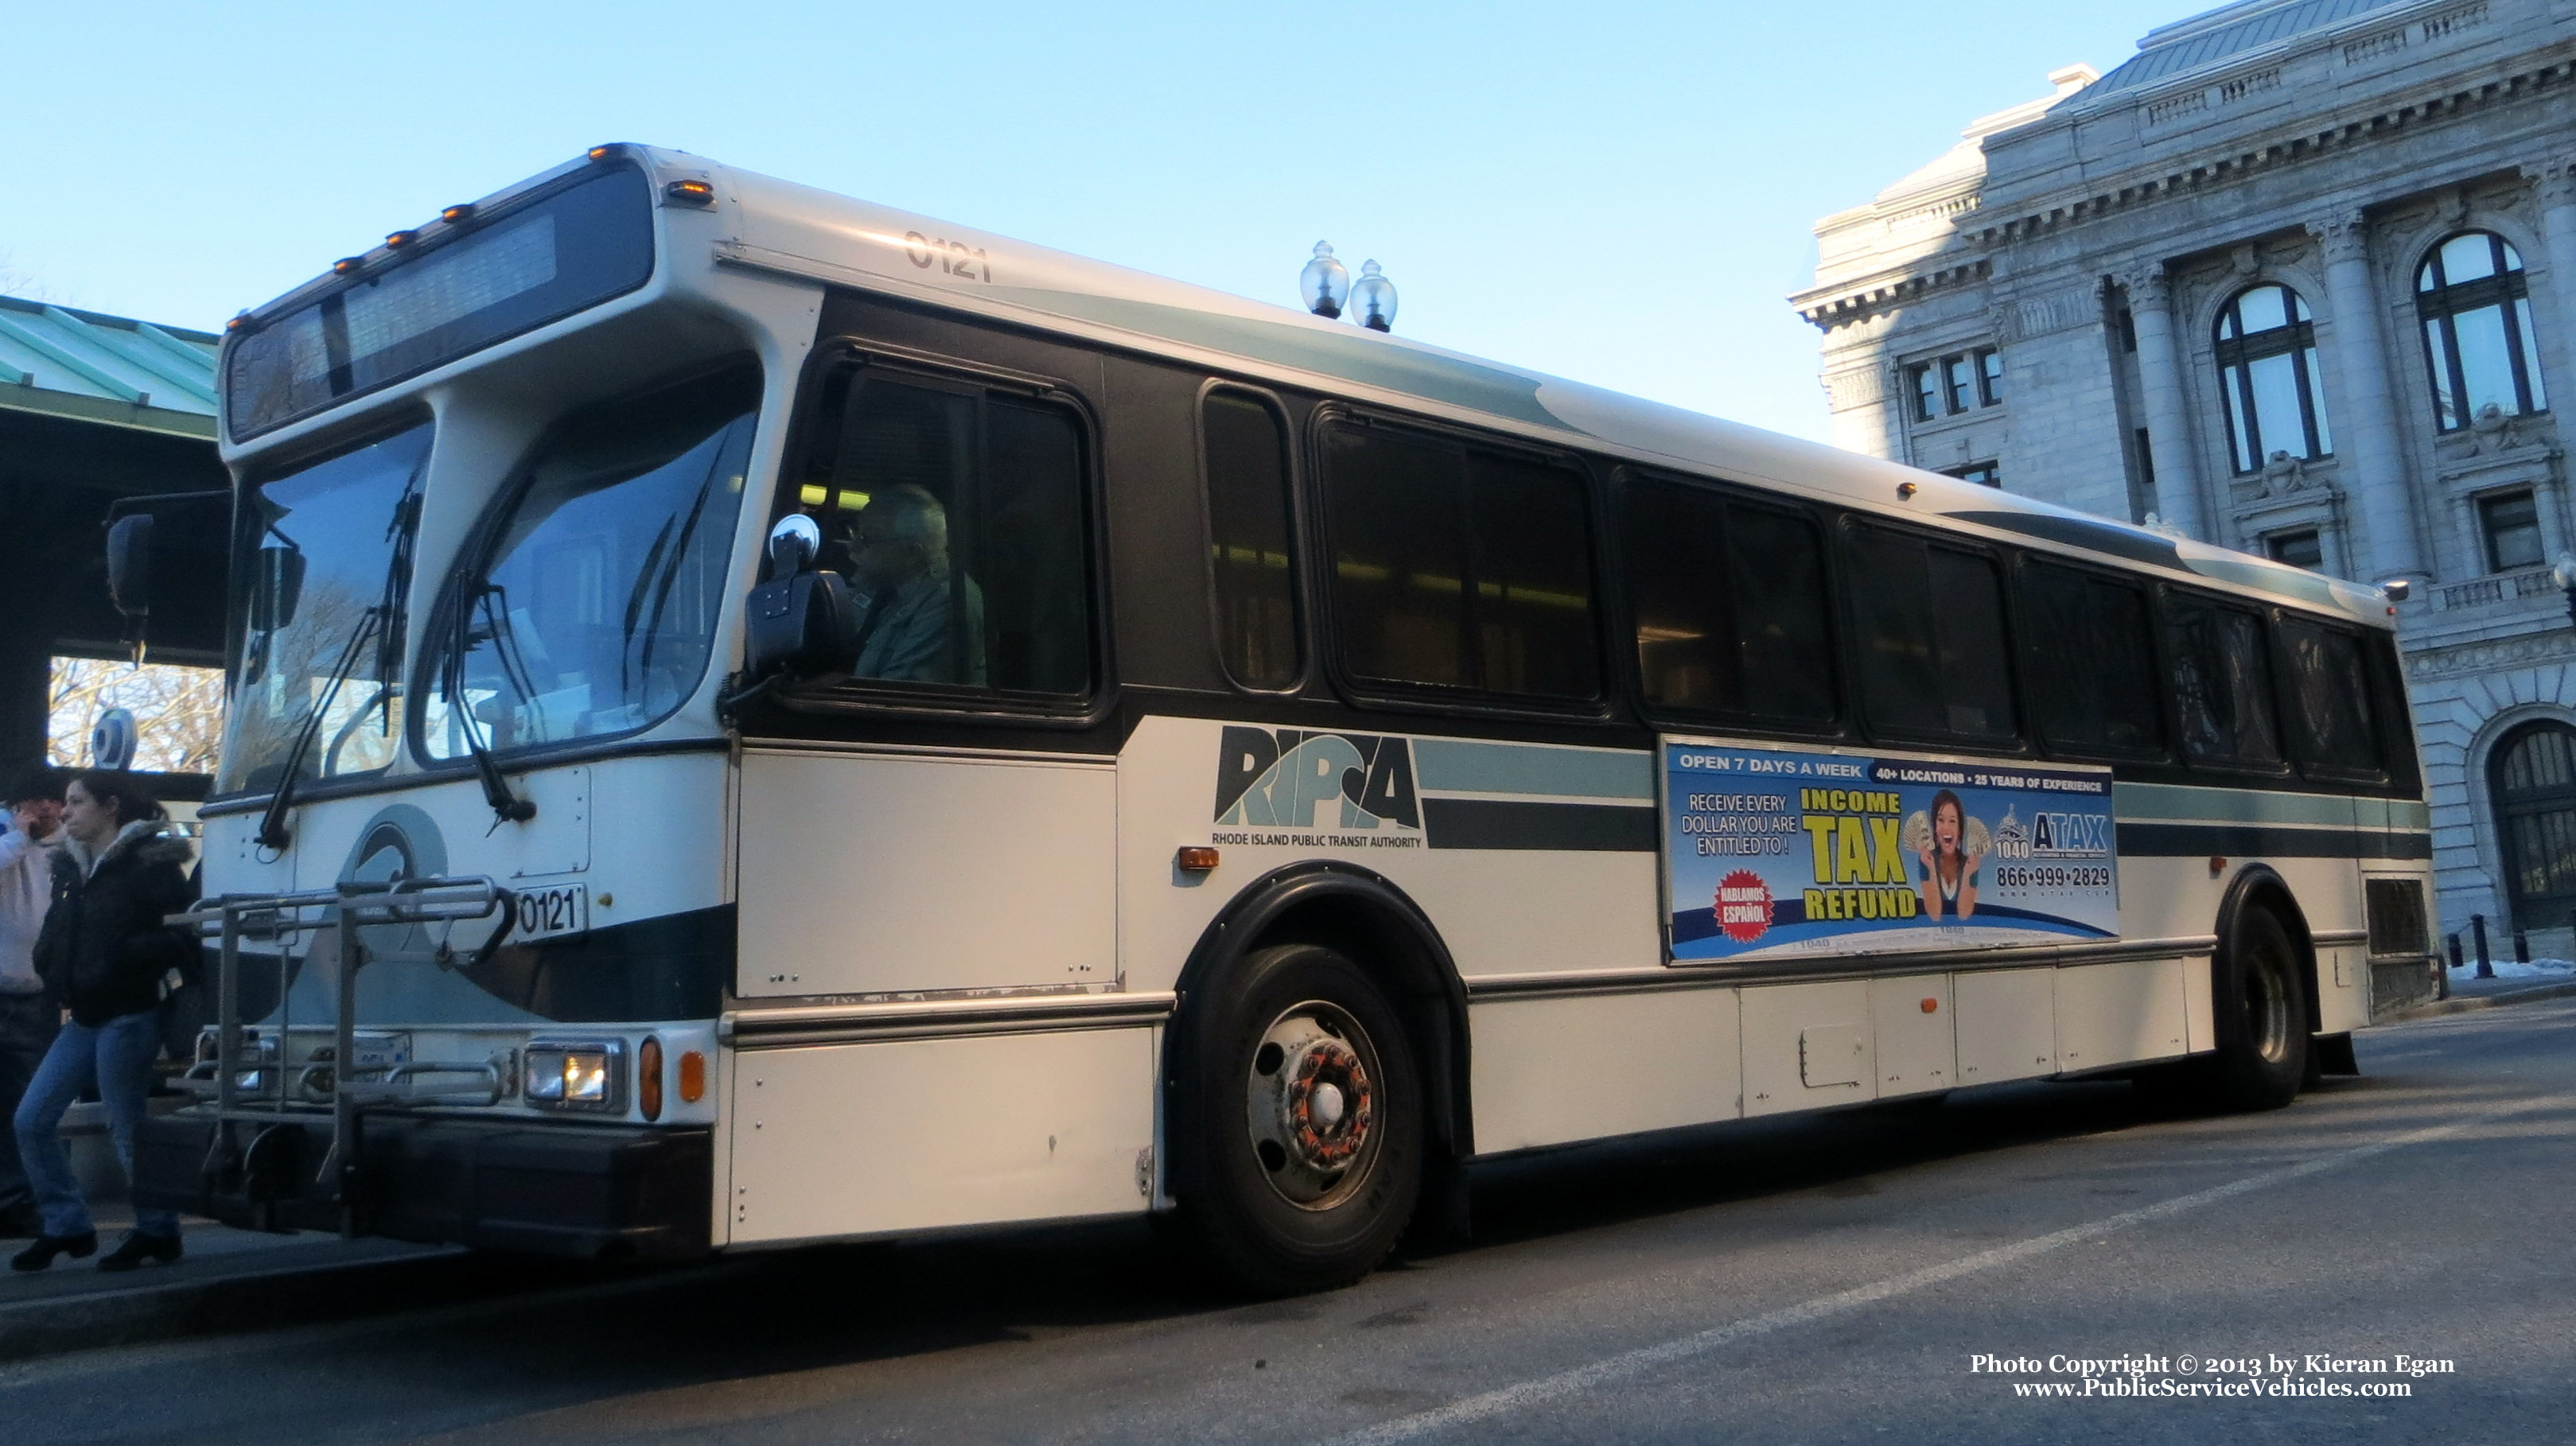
2521,946
2442,986
2478,931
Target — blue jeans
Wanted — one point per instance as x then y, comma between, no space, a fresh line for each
27,1028
117,1058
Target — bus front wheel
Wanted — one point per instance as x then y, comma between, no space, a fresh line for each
1309,1123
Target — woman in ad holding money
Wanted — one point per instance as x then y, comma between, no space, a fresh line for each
1951,845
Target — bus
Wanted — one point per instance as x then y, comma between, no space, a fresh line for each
758,718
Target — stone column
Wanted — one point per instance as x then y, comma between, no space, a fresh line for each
2556,183
2362,413
2178,500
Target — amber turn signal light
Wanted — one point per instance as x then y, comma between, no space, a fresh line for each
1195,860
648,1078
693,1077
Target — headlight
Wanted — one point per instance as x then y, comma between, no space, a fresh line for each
588,1075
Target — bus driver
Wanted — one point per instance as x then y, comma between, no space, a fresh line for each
899,568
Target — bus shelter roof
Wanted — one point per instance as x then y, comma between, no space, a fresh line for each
112,370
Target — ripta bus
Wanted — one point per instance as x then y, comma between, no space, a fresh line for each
758,718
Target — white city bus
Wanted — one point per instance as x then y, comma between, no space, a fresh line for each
759,718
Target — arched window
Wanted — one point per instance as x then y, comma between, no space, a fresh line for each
2531,778
2477,330
2267,378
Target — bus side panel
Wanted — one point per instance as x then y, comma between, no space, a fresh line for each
2121,1013
870,874
1807,1046
870,1139
1552,1070
1913,1034
2007,1024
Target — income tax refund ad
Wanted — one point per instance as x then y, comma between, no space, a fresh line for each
1771,850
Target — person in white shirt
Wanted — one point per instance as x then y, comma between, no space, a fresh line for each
28,1018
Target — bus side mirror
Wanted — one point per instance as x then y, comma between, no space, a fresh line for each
129,574
275,585
802,623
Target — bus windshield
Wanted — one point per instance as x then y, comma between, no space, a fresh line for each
594,611
325,545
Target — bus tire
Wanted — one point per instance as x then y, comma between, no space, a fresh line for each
1310,1123
2261,1016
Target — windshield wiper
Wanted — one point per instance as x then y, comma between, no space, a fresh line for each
507,807
272,824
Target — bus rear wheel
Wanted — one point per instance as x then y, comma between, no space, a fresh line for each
1309,1127
2262,1017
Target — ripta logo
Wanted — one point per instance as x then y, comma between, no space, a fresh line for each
1281,778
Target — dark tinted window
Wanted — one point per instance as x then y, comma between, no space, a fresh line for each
1247,501
2091,674
958,518
1930,625
2222,684
2329,696
1730,605
1458,568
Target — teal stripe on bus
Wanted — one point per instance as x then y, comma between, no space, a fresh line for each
1451,765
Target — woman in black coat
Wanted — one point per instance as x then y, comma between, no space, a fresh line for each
107,957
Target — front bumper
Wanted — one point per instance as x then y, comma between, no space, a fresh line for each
597,1192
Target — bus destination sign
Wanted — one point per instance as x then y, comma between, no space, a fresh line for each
1786,851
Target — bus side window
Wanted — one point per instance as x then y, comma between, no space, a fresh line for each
2091,664
1245,456
2329,693
1729,604
958,518
1457,568
2222,684
1931,638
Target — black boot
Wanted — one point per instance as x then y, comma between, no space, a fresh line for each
42,1253
137,1248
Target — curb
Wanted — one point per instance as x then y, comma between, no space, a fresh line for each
2462,1004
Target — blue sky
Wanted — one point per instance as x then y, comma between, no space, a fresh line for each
1619,194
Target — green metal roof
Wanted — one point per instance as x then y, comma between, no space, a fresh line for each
108,369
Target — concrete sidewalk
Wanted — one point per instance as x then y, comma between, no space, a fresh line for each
2469,992
228,1280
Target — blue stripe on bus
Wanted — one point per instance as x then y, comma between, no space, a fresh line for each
2185,840
1451,765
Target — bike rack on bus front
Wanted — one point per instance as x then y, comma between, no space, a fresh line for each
280,1092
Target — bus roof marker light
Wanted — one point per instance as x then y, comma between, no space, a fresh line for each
457,215
400,239
1325,283
1906,490
347,264
1374,296
690,193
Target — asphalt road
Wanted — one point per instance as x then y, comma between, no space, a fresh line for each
1831,1279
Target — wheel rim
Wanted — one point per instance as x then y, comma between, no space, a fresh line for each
2267,1005
1311,1106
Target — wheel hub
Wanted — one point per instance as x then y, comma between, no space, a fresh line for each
1310,1104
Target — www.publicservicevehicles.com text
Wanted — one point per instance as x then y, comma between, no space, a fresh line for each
2213,1377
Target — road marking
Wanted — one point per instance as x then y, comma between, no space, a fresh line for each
1645,1358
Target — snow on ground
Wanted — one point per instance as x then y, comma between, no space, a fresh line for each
2508,969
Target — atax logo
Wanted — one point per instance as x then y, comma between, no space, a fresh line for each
1282,778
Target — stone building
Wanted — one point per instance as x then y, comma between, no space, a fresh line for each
2298,277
